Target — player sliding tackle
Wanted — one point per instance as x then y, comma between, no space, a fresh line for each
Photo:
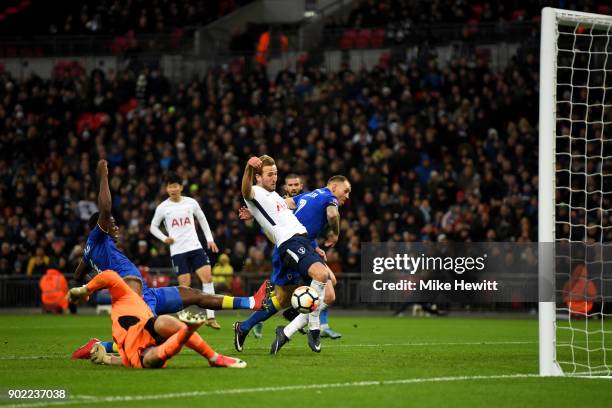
101,253
290,237
143,340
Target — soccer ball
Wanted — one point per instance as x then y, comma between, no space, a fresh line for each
304,299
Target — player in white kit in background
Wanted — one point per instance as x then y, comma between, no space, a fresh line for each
177,212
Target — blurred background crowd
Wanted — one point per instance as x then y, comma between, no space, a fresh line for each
439,152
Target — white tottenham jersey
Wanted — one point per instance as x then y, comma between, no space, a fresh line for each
179,221
271,212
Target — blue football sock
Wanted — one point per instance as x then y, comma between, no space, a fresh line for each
242,303
259,316
323,318
108,346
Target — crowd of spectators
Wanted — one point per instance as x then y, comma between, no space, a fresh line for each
398,13
391,22
432,152
116,17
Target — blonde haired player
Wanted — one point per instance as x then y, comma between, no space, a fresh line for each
177,212
282,227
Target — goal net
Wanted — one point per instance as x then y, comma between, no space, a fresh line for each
575,194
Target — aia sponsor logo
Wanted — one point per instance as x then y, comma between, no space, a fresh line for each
180,222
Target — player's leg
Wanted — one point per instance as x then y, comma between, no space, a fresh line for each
181,268
330,298
195,297
298,252
284,281
167,327
199,262
278,299
284,333
178,334
184,279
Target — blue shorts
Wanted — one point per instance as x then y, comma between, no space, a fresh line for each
283,275
188,262
297,253
163,300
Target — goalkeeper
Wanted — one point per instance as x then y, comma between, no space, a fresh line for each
145,341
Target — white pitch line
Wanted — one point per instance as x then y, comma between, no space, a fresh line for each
472,343
52,356
468,343
423,344
76,399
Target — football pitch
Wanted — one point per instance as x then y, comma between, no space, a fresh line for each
380,361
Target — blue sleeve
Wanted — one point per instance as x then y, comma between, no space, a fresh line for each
331,200
97,235
297,197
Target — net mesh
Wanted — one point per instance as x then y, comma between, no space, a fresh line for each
583,196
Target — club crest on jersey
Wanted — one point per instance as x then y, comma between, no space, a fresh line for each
280,206
180,222
302,250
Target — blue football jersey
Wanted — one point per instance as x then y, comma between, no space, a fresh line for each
311,210
101,254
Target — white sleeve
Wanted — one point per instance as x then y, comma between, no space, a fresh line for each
203,221
157,219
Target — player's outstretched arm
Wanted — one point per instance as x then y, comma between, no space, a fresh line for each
80,271
249,174
333,219
104,197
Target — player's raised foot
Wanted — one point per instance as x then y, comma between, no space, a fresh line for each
280,340
330,333
191,318
228,362
263,293
213,324
239,337
314,340
83,351
258,331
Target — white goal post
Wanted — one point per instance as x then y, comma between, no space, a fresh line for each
574,149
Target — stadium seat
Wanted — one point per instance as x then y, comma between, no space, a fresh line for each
363,39
348,39
378,38
518,15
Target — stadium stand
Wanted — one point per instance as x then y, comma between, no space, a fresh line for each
445,152
479,184
117,17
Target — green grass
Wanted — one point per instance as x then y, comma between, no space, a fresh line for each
380,361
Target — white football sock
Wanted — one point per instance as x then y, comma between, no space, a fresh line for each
210,289
313,318
295,325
